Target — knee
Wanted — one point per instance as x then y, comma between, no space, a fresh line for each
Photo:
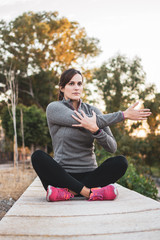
36,156
123,163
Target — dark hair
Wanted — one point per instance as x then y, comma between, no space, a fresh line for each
65,78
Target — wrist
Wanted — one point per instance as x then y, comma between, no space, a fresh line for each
125,116
97,132
94,130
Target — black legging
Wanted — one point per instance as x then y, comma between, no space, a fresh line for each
51,173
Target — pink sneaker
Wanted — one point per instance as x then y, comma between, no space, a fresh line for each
58,194
108,192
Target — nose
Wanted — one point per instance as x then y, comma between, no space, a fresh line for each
76,86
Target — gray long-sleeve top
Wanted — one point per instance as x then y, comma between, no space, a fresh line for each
74,146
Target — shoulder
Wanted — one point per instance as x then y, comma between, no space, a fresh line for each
93,108
53,106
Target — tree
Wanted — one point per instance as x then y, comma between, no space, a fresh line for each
12,88
34,124
22,134
42,42
44,88
152,150
121,81
154,120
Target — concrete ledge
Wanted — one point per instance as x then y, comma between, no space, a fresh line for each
130,216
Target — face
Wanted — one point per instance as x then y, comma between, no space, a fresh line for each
73,89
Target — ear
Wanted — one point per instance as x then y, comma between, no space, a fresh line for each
61,89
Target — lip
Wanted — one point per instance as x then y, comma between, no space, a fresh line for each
76,93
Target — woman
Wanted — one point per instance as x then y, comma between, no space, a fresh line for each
73,127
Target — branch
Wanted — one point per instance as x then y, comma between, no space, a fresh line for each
25,91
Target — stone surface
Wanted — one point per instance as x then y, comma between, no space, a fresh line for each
129,216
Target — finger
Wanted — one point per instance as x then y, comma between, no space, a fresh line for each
145,110
77,125
94,114
78,114
145,114
134,105
142,119
77,119
83,113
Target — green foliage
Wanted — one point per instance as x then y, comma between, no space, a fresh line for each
35,41
35,125
155,171
38,47
151,149
101,154
137,175
121,82
43,90
139,182
154,105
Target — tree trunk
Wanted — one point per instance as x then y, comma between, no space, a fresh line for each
15,141
12,85
23,144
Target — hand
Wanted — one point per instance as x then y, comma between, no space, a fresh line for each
134,114
86,122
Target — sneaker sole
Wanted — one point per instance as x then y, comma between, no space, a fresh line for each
115,190
49,192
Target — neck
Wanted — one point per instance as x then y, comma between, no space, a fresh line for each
75,104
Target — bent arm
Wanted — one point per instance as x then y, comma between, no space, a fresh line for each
106,139
59,114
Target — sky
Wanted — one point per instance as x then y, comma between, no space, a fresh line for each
127,27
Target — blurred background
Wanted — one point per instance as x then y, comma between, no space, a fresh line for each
115,44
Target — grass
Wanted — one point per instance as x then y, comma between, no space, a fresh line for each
14,182
155,171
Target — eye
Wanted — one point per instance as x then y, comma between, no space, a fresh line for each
79,83
71,83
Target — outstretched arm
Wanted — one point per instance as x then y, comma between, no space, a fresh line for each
59,114
100,121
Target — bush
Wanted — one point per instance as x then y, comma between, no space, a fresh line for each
139,182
